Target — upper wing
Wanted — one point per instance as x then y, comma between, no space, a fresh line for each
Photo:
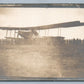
60,25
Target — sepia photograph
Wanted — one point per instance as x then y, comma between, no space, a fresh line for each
41,42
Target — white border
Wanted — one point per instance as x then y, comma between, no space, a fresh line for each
41,1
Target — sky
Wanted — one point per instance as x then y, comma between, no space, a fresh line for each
27,17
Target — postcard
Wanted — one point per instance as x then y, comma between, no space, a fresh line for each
41,42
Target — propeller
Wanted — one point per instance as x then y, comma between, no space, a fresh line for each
35,32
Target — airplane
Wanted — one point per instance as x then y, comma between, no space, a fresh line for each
32,30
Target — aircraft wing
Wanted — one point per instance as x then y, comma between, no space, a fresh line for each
51,26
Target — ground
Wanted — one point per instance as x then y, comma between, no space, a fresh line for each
55,61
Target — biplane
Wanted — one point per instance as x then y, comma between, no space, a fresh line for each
30,31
